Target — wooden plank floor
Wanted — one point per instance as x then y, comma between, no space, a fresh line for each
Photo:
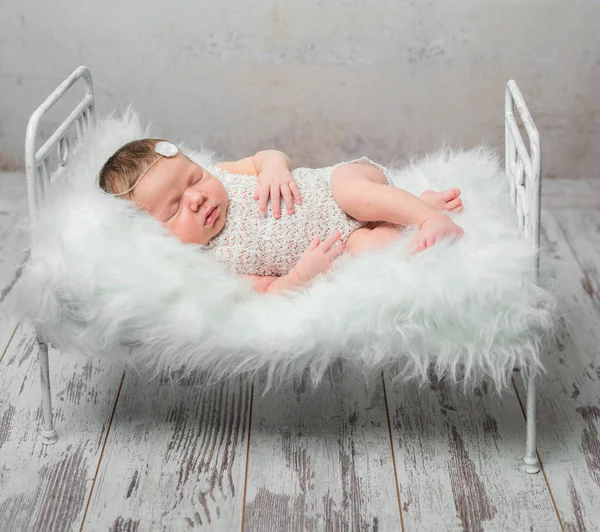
353,455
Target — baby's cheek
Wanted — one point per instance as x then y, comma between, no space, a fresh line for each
185,229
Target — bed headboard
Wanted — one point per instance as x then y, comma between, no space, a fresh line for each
47,163
523,167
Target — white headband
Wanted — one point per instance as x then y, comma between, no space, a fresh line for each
164,149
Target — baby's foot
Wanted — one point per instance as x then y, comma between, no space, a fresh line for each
447,200
440,226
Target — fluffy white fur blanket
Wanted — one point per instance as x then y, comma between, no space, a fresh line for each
105,279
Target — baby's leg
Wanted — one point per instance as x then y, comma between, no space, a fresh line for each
363,192
359,192
365,238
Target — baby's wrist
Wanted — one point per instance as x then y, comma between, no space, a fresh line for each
289,281
271,159
296,277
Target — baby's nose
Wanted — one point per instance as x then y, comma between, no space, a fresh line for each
196,198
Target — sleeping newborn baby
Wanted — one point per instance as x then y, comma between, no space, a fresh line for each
349,207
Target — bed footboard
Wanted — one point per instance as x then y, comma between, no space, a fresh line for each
523,168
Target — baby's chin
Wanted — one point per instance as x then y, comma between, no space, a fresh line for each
214,235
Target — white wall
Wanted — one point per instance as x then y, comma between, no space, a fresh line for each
322,80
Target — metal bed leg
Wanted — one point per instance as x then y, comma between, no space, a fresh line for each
532,465
49,435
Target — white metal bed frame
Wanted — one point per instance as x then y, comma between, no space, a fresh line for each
523,168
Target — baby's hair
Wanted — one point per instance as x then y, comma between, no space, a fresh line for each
125,166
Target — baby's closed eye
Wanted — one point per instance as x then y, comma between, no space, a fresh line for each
176,207
175,210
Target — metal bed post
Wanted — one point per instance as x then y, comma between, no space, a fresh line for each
49,435
39,175
524,170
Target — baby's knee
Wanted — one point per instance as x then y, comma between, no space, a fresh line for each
360,189
357,173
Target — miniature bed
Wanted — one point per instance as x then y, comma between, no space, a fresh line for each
104,279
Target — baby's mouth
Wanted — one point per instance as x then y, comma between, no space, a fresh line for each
211,214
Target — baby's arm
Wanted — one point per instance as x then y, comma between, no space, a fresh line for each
317,259
244,166
268,284
261,282
274,158
254,165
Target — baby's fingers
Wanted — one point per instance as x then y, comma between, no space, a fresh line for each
338,250
264,198
275,201
314,243
287,196
327,244
295,192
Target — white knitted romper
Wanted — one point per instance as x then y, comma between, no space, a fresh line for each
251,243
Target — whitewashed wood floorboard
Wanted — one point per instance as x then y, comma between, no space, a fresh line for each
13,212
459,461
582,230
565,193
321,460
47,487
569,397
175,458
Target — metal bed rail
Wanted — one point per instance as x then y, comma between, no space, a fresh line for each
37,163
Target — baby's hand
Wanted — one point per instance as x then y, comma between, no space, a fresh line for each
276,183
318,258
433,229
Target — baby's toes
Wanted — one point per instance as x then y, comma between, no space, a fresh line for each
450,194
431,240
455,205
417,244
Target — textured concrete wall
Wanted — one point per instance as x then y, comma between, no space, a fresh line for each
322,80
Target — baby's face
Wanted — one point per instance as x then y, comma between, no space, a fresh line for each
181,194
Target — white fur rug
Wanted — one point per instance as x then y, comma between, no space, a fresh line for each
104,279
